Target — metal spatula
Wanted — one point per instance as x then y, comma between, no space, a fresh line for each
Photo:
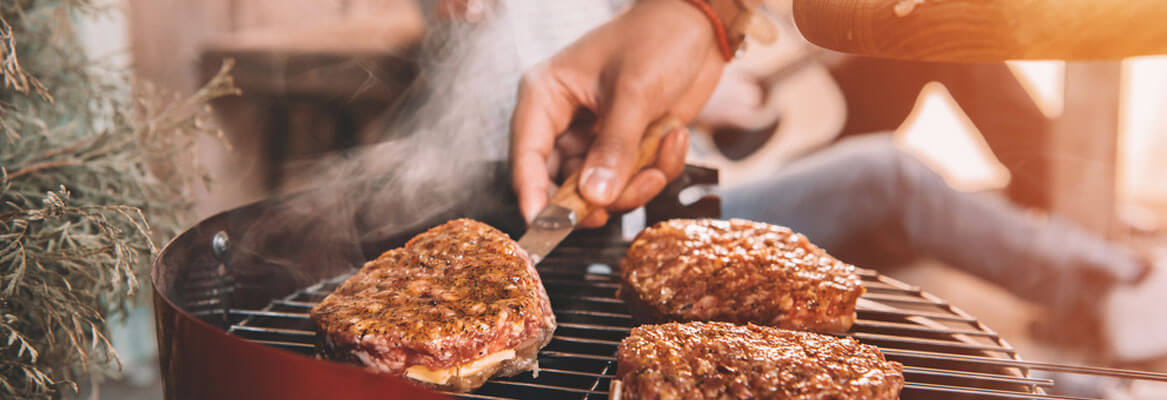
567,208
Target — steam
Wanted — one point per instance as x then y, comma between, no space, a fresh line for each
441,144
454,123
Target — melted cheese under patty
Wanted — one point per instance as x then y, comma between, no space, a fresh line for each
441,376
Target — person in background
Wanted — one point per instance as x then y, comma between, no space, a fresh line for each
586,103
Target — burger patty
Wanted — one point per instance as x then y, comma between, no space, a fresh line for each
737,271
710,360
457,305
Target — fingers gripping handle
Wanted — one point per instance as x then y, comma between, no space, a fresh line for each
568,194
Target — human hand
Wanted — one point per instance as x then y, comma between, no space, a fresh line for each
588,106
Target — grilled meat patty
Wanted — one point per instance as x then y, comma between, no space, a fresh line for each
457,305
737,271
710,360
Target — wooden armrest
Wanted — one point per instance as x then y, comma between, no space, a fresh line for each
986,30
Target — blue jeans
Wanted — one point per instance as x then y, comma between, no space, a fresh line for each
872,204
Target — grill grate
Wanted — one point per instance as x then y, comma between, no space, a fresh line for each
946,352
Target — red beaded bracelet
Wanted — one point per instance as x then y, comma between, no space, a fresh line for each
718,28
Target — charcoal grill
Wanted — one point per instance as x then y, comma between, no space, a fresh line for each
233,321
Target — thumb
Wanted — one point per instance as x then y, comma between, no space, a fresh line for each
612,157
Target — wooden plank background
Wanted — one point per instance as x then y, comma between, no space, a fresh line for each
166,35
168,38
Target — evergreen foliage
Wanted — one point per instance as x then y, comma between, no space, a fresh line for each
87,167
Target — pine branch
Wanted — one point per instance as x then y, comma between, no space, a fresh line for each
71,258
31,169
13,74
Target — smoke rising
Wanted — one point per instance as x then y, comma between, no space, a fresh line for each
441,148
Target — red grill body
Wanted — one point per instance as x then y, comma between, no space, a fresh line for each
231,312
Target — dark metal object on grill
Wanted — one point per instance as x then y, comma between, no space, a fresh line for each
234,324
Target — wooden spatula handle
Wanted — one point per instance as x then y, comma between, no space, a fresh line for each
986,30
568,194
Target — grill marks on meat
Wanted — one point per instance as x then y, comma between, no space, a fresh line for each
722,360
453,295
737,271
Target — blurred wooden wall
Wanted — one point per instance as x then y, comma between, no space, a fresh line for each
166,35
309,69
